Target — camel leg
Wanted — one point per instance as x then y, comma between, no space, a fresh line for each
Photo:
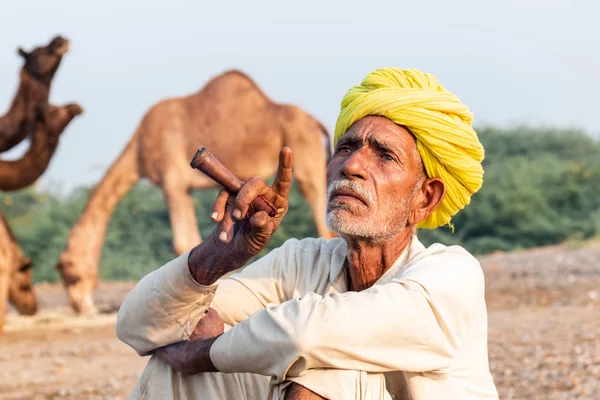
184,225
4,286
312,184
19,280
310,170
306,137
21,294
78,264
6,261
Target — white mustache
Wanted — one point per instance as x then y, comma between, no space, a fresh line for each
351,185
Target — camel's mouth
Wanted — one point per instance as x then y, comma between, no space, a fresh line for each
59,46
75,109
62,49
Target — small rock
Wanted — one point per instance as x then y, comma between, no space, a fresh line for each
61,370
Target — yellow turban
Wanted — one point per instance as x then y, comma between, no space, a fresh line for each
441,124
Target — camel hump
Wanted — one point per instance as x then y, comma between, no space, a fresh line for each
302,127
234,75
230,84
233,82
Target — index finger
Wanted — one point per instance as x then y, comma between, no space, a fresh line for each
283,179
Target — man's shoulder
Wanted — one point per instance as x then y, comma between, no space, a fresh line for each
452,252
447,261
448,273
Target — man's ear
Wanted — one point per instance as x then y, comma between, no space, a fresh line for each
23,53
428,198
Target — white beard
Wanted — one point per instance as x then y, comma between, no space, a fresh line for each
376,228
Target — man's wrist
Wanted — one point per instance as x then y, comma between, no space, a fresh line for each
210,260
198,356
191,357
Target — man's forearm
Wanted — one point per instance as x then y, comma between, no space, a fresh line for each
163,308
190,357
210,260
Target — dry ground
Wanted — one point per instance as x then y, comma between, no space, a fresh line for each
544,334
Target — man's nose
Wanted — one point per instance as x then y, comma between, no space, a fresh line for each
355,166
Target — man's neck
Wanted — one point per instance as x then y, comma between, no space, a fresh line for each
367,262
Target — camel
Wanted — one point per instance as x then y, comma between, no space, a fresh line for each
15,275
48,126
36,77
15,268
242,127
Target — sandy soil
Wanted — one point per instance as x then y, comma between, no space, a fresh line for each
544,334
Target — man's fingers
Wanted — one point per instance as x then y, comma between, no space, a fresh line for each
283,180
209,326
227,224
219,207
249,191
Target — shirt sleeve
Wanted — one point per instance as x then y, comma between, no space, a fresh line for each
167,304
414,323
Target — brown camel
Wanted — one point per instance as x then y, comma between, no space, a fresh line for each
15,268
15,275
36,76
48,125
242,127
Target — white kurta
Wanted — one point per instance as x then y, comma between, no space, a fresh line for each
422,327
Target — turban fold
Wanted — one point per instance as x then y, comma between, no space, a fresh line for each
441,124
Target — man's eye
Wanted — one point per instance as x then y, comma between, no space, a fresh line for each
387,157
344,149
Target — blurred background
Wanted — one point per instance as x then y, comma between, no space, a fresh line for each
527,69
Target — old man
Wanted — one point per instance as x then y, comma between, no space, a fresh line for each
372,314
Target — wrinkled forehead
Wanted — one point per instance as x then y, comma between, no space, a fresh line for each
381,132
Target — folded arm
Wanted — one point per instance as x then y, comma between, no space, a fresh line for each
412,324
167,304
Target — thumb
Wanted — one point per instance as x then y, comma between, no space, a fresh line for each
261,226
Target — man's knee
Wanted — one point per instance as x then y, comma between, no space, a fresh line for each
298,392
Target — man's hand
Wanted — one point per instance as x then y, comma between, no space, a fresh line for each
210,326
237,236
193,356
248,236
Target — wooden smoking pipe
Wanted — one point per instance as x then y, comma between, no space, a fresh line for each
205,162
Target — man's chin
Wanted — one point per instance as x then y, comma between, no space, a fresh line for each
344,222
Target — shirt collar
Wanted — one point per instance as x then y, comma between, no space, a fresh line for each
337,277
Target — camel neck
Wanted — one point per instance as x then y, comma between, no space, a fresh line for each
30,91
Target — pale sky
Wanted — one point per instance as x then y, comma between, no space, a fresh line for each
511,62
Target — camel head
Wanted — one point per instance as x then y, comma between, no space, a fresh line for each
43,61
21,294
80,282
56,118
